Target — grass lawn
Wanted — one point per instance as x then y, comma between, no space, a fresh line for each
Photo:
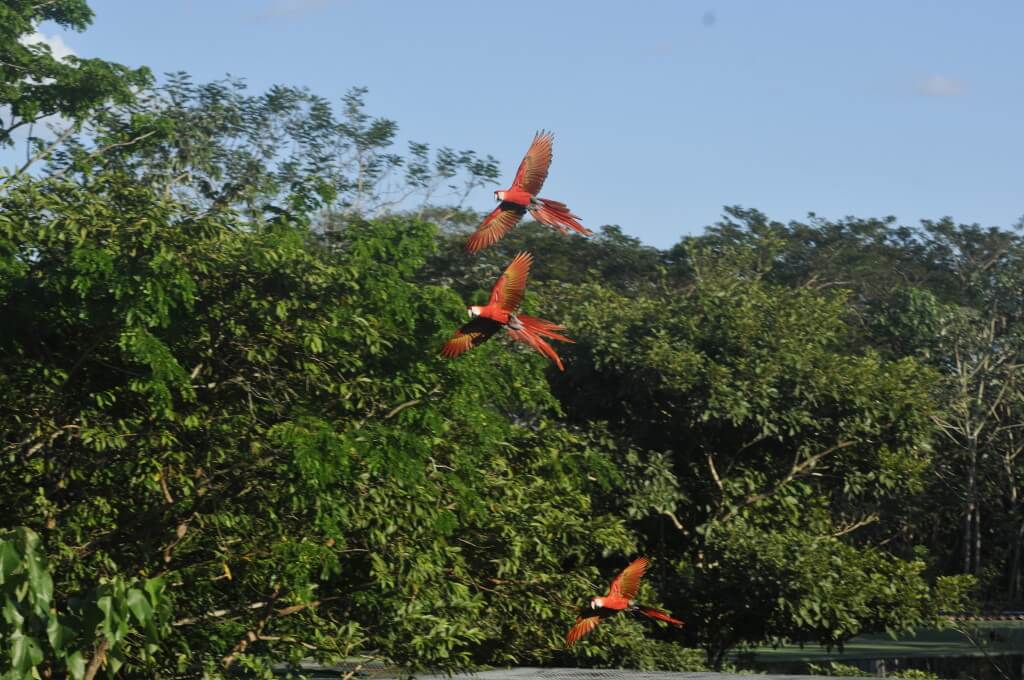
999,637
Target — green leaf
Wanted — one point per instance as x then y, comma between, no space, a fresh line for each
41,582
12,615
25,652
76,665
139,606
10,560
115,659
155,588
58,634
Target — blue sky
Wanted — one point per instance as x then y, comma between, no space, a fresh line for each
664,111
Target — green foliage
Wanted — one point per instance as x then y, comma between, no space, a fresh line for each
914,674
836,669
808,587
767,441
611,257
118,618
261,419
34,84
223,409
284,152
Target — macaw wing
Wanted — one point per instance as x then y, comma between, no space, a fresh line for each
511,285
580,629
628,581
534,168
469,336
495,225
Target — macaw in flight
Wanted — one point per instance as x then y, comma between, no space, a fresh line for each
500,311
522,196
619,598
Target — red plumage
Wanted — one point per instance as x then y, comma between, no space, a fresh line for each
620,597
500,312
521,197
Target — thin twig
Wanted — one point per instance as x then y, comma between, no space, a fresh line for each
103,149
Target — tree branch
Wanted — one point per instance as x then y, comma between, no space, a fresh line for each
43,153
97,660
798,468
862,522
103,149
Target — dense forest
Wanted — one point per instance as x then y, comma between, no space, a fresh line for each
229,440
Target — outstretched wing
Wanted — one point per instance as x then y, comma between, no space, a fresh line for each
628,581
534,168
511,285
495,225
580,629
469,336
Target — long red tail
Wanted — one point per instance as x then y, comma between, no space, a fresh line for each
534,330
660,615
557,214
543,327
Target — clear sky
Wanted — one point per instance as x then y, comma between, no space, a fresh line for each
664,111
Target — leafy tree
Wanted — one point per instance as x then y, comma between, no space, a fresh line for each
616,259
34,84
260,419
946,294
771,449
286,151
111,612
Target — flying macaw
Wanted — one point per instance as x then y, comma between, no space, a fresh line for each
522,196
620,597
500,311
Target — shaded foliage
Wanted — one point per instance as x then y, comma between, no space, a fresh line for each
262,421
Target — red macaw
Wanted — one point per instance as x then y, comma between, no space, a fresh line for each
522,196
620,597
500,311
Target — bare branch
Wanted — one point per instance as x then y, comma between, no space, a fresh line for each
43,153
714,472
103,149
862,522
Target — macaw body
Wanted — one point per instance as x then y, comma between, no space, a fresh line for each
521,197
501,312
620,597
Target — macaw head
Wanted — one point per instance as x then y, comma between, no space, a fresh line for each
499,195
474,311
596,602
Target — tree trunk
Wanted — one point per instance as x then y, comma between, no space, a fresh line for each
977,539
970,522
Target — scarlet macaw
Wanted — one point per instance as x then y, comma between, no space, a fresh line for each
500,311
620,597
522,196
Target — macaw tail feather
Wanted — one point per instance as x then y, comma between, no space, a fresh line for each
660,615
543,328
534,331
557,214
